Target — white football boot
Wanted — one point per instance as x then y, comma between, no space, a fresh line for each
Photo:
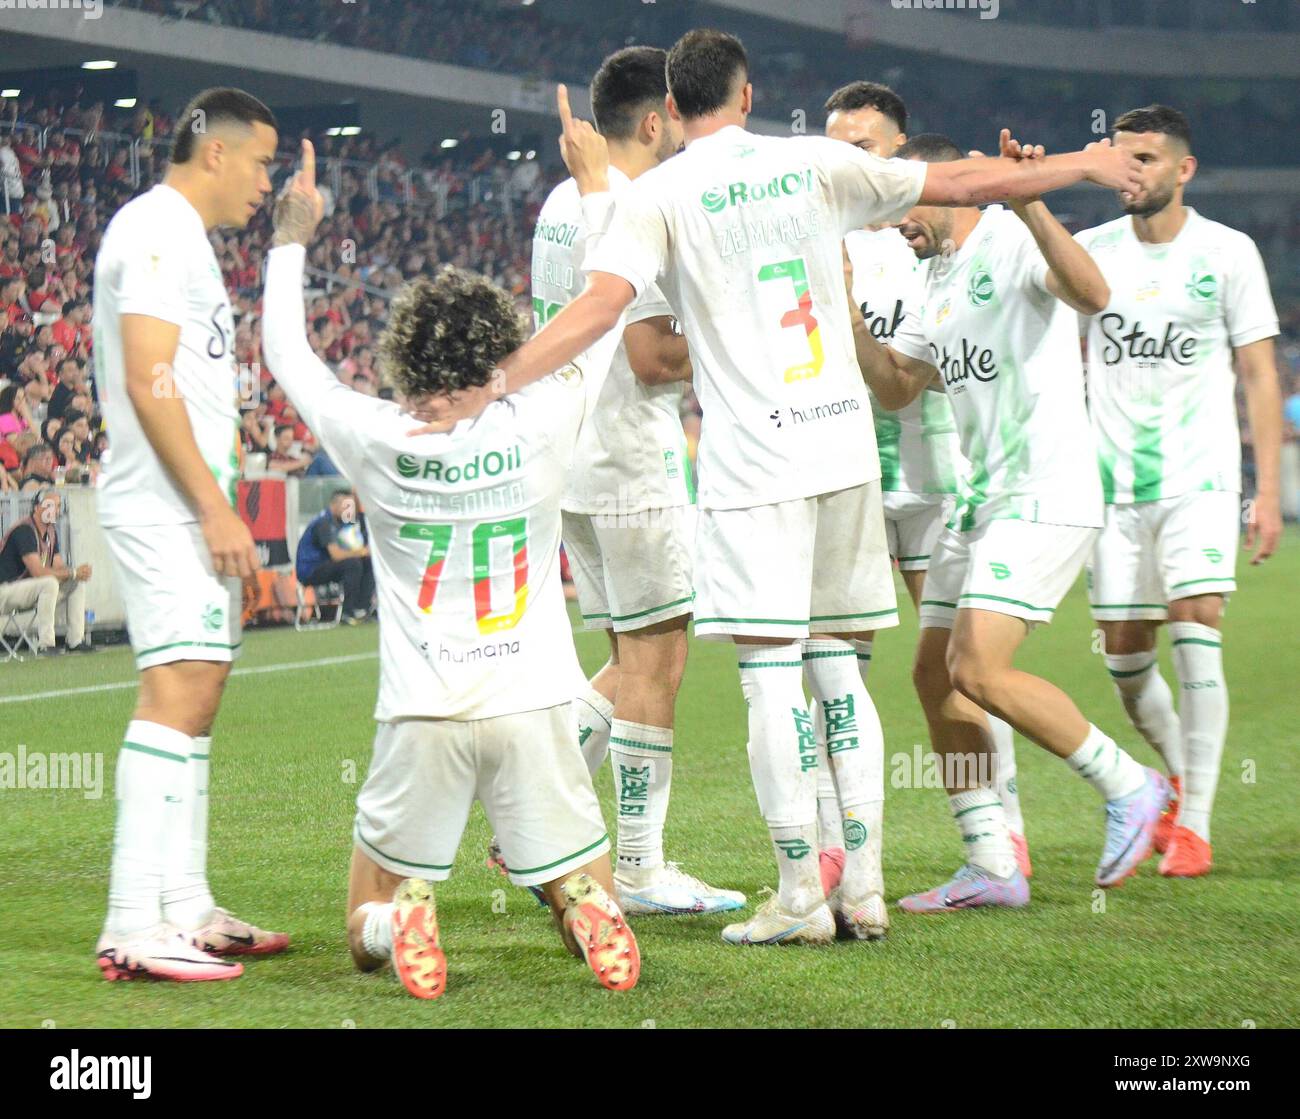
771,924
669,889
160,953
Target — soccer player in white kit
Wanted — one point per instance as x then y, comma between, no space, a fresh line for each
920,452
995,326
1189,300
164,341
743,235
628,507
477,664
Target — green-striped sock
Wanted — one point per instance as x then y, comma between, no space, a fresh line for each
641,759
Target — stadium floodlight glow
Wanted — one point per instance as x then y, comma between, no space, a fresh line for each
530,154
449,142
10,92
100,64
516,154
333,131
124,103
350,130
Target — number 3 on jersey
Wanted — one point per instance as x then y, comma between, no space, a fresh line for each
488,537
800,315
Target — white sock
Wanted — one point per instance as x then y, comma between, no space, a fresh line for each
830,832
1004,784
1198,660
1105,766
595,718
1149,703
377,932
855,745
783,762
642,765
983,823
187,899
152,790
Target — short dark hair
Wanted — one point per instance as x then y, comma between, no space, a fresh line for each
340,492
71,416
702,68
210,108
448,333
629,83
868,95
36,450
283,427
930,147
1157,118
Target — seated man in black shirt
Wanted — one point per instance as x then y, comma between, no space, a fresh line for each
33,574
334,549
38,468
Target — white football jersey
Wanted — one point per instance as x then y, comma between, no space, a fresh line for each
1160,377
156,260
918,445
742,233
464,528
631,453
1008,353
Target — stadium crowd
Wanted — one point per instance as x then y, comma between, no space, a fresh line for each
534,40
59,197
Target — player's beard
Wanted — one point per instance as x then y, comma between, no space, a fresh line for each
667,149
1153,202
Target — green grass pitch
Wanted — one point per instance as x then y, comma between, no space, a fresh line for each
292,746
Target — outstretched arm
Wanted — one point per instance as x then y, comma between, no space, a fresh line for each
1072,275
974,182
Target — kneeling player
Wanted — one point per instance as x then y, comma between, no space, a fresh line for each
995,324
476,655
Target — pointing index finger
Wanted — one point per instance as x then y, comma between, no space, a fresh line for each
309,163
562,102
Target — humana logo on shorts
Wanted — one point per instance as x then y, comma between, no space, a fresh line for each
488,464
718,198
114,1074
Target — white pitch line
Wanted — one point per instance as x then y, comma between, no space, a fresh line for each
289,667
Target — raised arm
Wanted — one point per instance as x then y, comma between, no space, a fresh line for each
976,181
303,376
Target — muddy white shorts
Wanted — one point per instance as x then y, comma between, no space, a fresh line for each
631,571
527,771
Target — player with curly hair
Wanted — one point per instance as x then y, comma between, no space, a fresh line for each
477,663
